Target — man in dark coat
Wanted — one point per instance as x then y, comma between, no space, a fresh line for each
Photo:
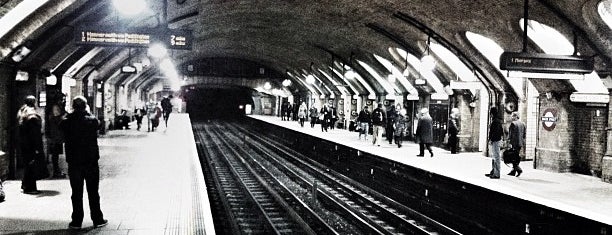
453,130
424,133
30,143
80,131
516,136
167,108
391,115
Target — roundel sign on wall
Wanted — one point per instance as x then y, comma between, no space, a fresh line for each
549,119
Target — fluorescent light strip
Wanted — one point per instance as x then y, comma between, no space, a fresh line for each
18,14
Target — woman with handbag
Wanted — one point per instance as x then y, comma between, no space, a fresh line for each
31,146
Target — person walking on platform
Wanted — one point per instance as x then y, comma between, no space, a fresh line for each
167,108
364,120
453,130
378,121
289,111
80,130
424,133
400,126
326,117
516,137
302,113
495,137
333,117
30,144
314,115
138,114
391,115
55,141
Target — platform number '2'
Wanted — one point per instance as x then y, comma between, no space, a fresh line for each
172,41
82,36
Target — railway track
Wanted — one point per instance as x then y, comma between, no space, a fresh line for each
367,210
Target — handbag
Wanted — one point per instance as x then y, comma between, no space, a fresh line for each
510,156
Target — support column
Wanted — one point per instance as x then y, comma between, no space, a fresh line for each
606,164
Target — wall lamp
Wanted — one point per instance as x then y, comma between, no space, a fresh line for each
50,78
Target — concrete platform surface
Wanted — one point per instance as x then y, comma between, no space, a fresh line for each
582,195
151,183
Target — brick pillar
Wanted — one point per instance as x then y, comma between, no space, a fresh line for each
606,164
553,147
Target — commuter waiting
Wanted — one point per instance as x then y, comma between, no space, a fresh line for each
364,120
166,105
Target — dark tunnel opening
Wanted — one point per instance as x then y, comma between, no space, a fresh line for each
217,103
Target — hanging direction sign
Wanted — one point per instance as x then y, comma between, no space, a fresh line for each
590,98
171,38
545,63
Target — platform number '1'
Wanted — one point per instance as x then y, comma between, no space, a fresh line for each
172,41
82,36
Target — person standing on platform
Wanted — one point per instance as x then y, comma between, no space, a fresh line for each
516,137
289,111
80,130
302,113
378,121
166,105
55,141
364,120
495,137
453,130
325,113
424,133
30,143
400,126
391,114
284,110
314,115
154,116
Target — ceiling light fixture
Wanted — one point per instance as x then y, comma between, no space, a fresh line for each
158,50
310,79
350,74
267,86
428,62
286,82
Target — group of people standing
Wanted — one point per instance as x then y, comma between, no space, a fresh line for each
78,130
516,138
393,122
327,116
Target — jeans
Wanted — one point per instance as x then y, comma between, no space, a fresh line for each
90,174
364,129
377,134
495,155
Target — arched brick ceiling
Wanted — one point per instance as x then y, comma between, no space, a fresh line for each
289,35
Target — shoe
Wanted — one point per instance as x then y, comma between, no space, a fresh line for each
100,224
431,154
420,155
518,173
74,226
34,192
399,145
491,176
512,173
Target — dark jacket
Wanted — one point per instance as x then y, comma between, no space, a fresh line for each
517,134
30,133
379,117
364,116
453,130
495,130
80,131
424,131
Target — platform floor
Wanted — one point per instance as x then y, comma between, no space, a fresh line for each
151,183
582,195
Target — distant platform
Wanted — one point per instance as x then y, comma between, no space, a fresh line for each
582,195
151,183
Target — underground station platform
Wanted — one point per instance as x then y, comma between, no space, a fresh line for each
152,183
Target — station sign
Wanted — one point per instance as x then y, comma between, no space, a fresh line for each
549,119
545,63
171,38
590,98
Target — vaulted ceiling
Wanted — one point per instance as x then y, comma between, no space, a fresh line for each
291,36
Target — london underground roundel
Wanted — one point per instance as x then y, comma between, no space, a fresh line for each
549,119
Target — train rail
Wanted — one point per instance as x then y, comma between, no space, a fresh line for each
359,206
